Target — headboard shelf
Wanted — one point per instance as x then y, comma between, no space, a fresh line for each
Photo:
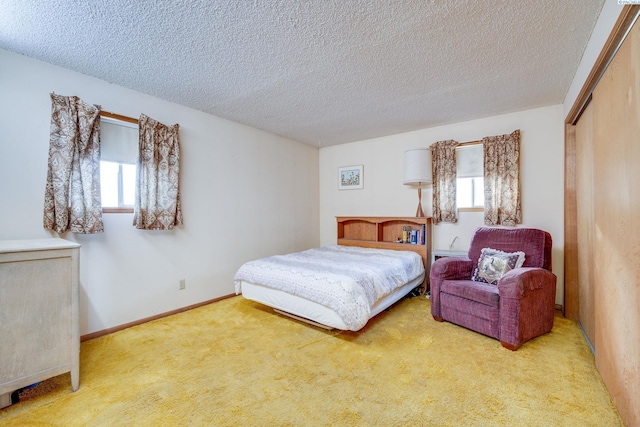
383,233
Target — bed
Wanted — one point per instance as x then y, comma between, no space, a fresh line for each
342,286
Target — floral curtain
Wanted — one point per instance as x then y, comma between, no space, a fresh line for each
157,202
72,194
443,170
502,179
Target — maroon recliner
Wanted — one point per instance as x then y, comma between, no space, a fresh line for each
522,304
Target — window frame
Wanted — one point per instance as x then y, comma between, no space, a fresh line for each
117,210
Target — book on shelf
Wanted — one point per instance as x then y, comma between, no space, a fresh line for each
414,237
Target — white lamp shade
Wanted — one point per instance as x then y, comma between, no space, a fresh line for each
417,166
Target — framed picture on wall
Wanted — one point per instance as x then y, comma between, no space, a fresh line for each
350,178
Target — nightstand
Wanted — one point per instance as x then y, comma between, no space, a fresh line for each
441,253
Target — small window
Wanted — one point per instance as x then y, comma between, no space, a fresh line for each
118,158
470,177
470,192
117,184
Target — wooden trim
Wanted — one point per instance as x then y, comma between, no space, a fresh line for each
149,319
117,210
584,107
118,117
619,32
571,306
379,219
476,209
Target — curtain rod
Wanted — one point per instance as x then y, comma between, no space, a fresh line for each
118,117
476,142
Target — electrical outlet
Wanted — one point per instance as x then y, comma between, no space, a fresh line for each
182,284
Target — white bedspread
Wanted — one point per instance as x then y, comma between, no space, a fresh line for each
347,279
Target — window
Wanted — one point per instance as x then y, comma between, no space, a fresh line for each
117,184
470,177
118,157
470,192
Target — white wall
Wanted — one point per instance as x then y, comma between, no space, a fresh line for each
542,178
245,194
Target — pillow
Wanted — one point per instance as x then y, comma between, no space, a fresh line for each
493,264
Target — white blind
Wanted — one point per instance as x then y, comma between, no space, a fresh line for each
118,142
470,161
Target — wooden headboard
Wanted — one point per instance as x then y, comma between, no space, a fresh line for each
383,233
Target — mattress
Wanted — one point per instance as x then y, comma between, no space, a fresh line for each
337,286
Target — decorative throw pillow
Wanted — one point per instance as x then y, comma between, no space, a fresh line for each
493,264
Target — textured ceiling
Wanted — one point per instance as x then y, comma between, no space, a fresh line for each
322,72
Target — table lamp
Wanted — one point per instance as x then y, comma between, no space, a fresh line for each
417,170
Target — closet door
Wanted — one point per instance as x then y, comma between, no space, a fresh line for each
616,244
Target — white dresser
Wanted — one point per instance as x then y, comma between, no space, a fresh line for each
39,329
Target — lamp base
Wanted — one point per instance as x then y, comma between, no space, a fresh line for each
419,213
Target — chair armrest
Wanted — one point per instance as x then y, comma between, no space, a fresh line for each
527,305
451,268
520,282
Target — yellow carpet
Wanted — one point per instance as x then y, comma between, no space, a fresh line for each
237,363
